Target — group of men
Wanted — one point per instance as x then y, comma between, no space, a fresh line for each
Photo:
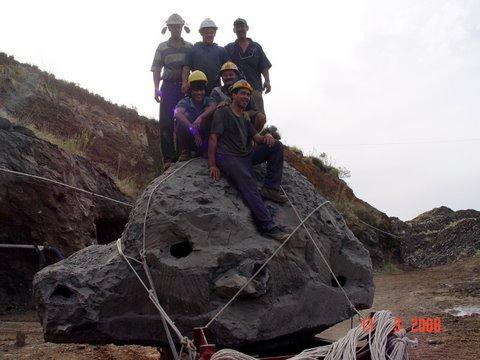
211,100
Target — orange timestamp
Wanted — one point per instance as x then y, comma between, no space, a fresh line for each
430,325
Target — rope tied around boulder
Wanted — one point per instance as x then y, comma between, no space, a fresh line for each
346,347
343,349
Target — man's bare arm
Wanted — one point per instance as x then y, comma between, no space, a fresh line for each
180,116
157,77
185,73
209,110
266,84
266,139
212,164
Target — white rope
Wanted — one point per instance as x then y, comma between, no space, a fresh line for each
152,294
322,256
64,185
380,230
264,264
347,347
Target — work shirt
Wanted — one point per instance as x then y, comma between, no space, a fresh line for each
251,62
171,59
235,132
221,93
208,58
191,111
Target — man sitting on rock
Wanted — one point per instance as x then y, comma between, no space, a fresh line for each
230,74
230,147
193,115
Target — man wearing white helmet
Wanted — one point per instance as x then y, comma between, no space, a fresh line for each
169,57
205,56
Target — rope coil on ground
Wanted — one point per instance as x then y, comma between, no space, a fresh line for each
346,348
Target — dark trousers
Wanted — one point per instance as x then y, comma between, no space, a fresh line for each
239,170
185,139
171,95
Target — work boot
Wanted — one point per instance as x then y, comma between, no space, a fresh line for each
184,155
273,195
275,233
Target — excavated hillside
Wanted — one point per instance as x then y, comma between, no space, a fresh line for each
357,213
115,138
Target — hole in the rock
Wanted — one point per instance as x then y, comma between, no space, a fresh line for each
341,279
109,230
255,269
62,290
181,249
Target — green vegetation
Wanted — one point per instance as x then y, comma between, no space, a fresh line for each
390,268
76,145
325,162
127,186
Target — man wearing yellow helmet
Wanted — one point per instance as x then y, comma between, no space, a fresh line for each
230,74
169,57
230,151
193,116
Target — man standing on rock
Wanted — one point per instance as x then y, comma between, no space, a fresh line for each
230,147
170,56
251,60
193,116
230,74
205,56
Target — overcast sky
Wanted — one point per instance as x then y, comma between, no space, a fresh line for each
388,89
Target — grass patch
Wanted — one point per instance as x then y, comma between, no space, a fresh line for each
390,268
76,145
127,186
297,151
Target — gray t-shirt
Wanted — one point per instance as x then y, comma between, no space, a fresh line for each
235,132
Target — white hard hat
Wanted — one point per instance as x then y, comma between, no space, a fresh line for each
208,23
175,19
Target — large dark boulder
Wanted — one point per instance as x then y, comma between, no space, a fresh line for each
201,247
35,212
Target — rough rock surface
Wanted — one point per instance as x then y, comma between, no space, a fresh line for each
440,236
201,247
36,212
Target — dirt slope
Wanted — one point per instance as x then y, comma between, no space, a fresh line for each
113,137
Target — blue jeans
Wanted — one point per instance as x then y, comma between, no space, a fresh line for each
239,170
171,95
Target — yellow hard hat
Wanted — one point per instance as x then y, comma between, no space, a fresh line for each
229,66
241,84
197,75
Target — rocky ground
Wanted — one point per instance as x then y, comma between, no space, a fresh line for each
421,293
439,236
